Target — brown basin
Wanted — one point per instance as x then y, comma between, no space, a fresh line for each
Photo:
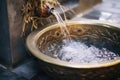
97,34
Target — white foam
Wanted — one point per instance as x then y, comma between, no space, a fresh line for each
79,52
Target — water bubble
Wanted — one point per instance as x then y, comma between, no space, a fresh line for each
78,52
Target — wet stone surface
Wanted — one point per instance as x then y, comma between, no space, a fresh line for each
7,75
108,10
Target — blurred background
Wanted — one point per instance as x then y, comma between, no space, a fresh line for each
16,62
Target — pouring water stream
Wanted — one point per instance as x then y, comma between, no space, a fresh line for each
63,24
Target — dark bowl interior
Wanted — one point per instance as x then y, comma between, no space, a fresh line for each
98,35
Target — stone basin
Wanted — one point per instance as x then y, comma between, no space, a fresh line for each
98,34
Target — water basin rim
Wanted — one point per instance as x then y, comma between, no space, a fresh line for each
31,45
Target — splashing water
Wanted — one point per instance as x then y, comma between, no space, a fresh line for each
78,52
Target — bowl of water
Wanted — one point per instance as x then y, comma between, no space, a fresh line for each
77,51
